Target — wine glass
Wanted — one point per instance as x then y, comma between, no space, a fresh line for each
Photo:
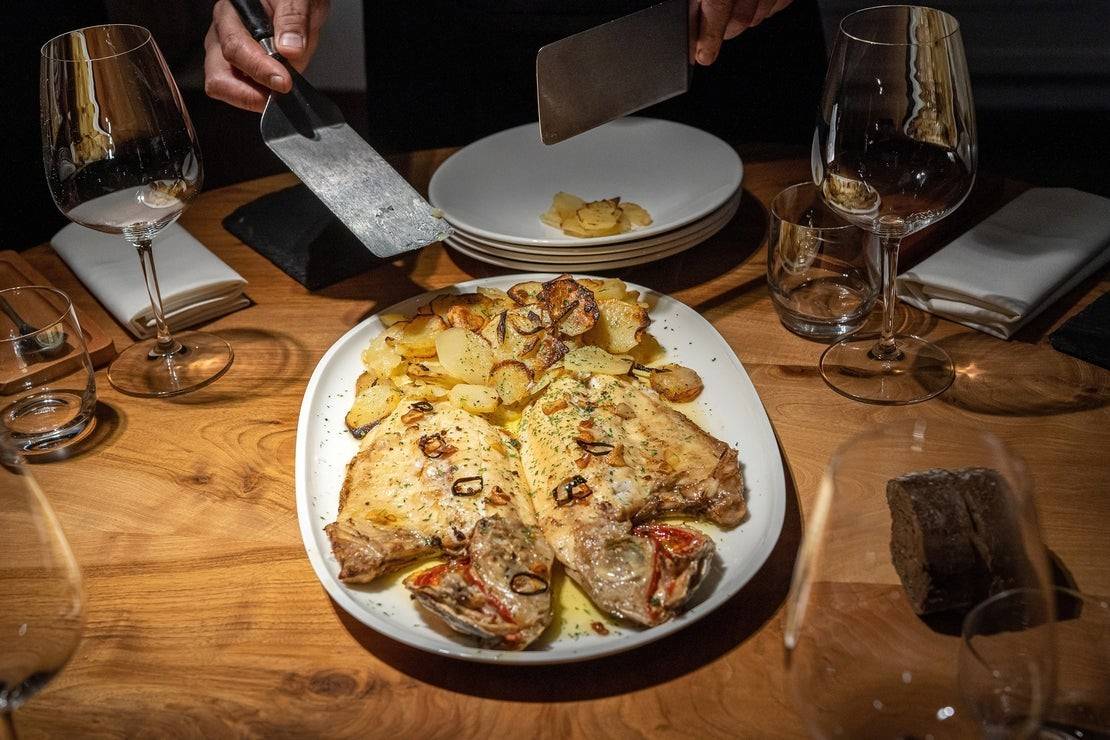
894,151
1003,658
914,524
121,157
41,602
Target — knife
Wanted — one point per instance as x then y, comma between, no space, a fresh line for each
308,133
613,69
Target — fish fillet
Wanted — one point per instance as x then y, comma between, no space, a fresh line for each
604,456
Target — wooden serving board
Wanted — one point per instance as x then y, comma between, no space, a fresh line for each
14,271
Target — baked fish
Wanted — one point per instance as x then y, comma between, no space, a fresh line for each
500,592
422,479
602,457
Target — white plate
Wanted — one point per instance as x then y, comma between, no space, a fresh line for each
584,264
498,186
508,249
729,408
656,247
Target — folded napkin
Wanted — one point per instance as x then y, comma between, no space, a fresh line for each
195,284
1013,265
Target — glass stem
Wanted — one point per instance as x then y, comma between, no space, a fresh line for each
7,727
165,344
885,348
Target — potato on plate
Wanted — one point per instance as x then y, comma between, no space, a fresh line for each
464,355
676,383
589,360
620,326
370,407
474,399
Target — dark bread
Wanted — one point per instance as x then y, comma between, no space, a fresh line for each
931,542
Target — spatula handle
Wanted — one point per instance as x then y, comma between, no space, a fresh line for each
255,18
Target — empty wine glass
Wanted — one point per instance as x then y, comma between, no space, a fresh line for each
41,602
913,525
894,151
121,157
1003,663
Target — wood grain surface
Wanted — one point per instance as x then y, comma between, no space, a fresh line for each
206,620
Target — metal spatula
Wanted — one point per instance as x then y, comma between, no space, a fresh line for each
613,69
309,134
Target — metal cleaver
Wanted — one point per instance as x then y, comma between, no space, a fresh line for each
613,69
308,132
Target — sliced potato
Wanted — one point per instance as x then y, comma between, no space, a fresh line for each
565,204
573,226
475,399
418,391
418,338
599,215
524,294
430,371
677,383
572,307
552,218
636,214
465,355
550,350
364,381
591,360
465,317
510,378
380,359
370,407
620,326
389,319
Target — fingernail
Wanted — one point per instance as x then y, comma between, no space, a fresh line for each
277,82
291,40
705,57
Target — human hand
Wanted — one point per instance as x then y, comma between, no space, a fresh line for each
719,20
237,70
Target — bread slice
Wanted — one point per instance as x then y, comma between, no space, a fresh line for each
932,541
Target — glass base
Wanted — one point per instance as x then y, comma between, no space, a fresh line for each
140,371
921,370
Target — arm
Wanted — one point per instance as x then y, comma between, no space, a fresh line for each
238,71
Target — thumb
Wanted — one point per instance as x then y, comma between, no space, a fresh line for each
291,28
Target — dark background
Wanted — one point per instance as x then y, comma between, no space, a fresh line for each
440,73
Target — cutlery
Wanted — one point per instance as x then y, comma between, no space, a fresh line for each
308,133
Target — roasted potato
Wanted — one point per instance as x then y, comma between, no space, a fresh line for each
603,217
364,381
571,306
524,294
430,371
676,383
370,407
620,326
465,355
511,378
589,360
418,337
475,399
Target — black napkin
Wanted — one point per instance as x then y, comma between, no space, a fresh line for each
1087,334
297,232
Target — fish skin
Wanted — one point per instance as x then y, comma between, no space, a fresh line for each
475,595
661,463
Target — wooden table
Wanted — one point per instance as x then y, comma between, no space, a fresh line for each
205,618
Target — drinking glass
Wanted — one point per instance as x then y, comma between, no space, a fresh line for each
866,655
894,151
41,601
1003,660
121,157
822,271
47,384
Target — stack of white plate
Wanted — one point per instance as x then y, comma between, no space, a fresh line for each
493,192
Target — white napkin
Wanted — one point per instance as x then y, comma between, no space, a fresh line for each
195,284
1013,265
